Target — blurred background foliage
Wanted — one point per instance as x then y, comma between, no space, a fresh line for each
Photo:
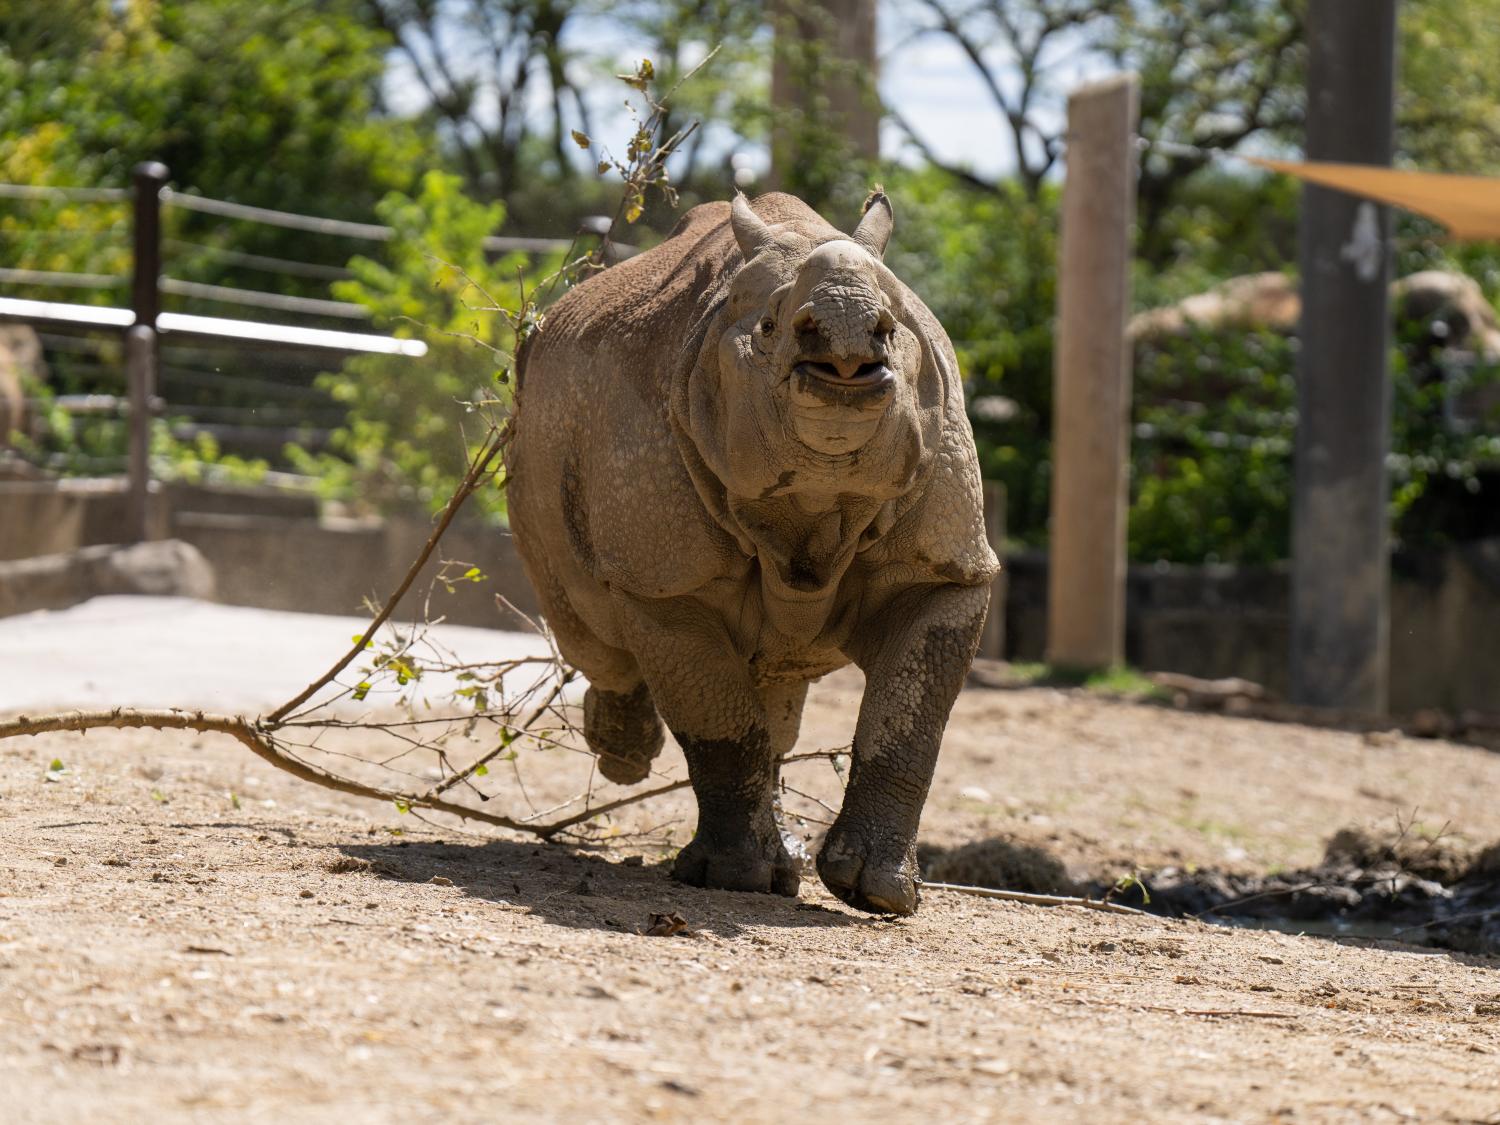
452,119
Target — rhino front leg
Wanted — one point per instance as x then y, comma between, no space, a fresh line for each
915,655
704,693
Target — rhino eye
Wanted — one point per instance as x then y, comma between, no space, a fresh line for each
767,326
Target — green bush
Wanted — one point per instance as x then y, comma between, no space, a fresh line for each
1215,423
412,423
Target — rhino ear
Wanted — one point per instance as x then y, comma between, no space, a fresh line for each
874,230
750,231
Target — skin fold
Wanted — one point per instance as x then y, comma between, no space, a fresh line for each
741,461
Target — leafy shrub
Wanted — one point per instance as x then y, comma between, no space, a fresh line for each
413,423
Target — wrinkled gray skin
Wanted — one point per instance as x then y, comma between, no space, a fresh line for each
741,461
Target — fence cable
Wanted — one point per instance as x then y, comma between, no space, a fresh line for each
254,298
64,194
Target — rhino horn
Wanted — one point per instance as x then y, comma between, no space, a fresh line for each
750,231
874,229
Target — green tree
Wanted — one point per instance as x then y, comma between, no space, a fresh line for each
275,105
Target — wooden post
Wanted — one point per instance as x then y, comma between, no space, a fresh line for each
992,640
148,179
1340,527
1091,381
822,87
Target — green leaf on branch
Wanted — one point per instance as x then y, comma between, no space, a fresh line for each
642,77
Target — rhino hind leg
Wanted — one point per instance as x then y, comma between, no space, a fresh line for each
624,730
738,844
703,691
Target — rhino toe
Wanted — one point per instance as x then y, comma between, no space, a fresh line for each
858,877
740,865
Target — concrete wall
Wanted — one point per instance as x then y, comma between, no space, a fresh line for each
1214,621
272,551
336,566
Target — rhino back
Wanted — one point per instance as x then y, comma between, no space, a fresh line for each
598,491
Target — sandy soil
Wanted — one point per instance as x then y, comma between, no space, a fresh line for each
188,935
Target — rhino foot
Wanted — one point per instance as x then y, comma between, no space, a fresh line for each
742,863
623,729
868,874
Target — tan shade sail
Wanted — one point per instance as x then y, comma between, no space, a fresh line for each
1469,206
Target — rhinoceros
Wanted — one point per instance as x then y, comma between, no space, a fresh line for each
740,461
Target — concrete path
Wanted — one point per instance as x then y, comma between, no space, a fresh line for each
177,652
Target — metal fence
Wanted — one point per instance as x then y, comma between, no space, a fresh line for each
169,362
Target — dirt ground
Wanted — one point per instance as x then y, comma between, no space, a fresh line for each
189,935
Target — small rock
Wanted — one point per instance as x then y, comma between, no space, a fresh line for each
992,1066
441,881
976,793
305,894
667,925
1429,723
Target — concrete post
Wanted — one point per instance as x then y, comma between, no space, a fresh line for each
1091,380
1340,526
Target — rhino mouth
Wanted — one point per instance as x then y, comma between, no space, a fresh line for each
868,381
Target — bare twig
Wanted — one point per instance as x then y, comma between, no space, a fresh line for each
1034,899
1245,1013
479,467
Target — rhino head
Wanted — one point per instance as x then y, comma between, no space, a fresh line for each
821,384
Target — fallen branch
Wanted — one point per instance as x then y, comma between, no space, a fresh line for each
1246,1013
257,738
1034,899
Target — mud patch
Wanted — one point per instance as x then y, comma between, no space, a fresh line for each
1368,884
999,862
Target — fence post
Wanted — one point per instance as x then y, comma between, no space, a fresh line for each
147,179
992,640
1091,381
140,372
1340,527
